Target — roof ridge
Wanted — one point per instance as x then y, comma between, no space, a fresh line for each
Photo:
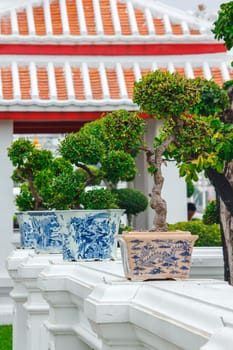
173,12
102,21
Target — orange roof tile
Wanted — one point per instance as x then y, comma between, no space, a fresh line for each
92,83
115,19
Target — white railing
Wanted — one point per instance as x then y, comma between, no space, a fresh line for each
90,305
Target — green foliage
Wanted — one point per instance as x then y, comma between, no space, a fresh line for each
123,131
118,166
24,200
213,99
227,84
99,199
203,142
84,146
211,214
132,200
209,235
123,228
6,334
223,25
165,95
111,142
190,188
102,150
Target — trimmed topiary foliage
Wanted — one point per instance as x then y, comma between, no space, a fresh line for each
99,199
209,235
132,200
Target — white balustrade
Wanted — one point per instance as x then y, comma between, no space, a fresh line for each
19,295
90,305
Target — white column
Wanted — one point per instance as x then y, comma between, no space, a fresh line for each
19,295
6,220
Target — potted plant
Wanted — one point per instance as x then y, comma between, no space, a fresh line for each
89,158
50,189
108,144
34,171
186,108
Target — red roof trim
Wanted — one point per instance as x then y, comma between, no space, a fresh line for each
50,122
46,127
111,50
50,116
34,116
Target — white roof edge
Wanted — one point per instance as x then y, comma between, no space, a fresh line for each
87,107
173,12
107,39
156,7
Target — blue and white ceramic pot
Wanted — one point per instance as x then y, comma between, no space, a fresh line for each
40,230
27,237
156,255
89,234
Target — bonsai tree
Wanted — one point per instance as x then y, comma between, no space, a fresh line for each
197,136
46,181
34,171
168,97
111,144
99,153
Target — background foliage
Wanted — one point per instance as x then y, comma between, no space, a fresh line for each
209,235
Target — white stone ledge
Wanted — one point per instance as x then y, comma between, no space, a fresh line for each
90,305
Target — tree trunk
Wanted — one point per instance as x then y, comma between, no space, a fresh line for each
224,247
226,220
158,204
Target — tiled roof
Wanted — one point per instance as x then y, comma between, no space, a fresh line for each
76,21
85,83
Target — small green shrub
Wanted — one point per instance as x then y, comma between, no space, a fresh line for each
131,199
209,235
211,214
99,199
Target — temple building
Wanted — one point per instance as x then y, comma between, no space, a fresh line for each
66,62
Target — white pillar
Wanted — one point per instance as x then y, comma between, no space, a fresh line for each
6,220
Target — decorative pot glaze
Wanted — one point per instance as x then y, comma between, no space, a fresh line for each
89,234
40,230
156,255
27,236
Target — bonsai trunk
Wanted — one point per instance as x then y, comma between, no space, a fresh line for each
158,203
155,161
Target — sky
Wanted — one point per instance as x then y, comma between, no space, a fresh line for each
211,5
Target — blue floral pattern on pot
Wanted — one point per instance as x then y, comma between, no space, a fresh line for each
89,234
27,237
40,230
150,257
